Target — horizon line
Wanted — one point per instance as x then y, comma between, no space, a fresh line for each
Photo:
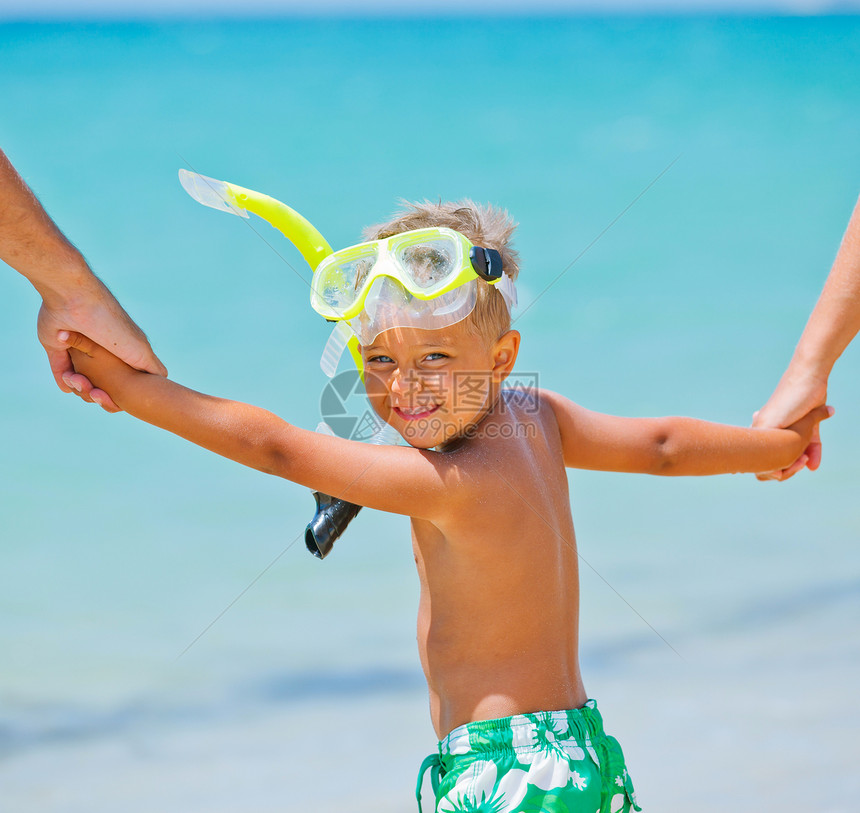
213,10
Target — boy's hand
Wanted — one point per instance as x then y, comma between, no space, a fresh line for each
95,312
96,364
793,398
807,429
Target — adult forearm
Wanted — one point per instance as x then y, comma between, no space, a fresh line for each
32,244
835,319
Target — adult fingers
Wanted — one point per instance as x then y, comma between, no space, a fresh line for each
814,450
61,365
795,467
83,388
80,385
104,400
783,474
78,382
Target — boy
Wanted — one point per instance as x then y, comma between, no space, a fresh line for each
483,480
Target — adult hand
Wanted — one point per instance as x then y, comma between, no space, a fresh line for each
796,394
833,323
93,311
73,298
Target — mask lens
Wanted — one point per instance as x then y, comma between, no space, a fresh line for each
430,261
339,282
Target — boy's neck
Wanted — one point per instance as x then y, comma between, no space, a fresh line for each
468,431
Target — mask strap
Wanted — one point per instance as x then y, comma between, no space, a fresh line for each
508,290
334,348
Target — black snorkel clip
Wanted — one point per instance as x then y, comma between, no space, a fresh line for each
487,263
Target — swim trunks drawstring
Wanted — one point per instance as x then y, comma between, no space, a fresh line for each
434,764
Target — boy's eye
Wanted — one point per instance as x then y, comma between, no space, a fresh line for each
379,359
435,356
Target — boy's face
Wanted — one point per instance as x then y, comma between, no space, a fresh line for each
433,385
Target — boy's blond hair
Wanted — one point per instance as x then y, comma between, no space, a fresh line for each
486,226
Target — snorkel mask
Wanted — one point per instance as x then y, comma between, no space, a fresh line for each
425,278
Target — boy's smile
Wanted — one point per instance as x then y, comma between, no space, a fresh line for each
415,414
431,385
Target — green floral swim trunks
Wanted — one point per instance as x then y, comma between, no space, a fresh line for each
549,762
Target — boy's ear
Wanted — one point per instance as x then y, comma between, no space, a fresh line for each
505,355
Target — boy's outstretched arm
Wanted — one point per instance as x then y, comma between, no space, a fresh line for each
675,446
427,482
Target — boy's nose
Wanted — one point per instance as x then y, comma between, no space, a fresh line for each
405,381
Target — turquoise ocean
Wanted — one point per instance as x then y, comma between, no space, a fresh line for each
682,183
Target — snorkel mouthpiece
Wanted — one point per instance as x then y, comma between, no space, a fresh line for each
210,192
330,521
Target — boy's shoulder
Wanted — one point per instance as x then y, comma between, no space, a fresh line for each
526,402
529,399
524,395
523,414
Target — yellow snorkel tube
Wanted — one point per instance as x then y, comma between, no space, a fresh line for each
332,515
237,200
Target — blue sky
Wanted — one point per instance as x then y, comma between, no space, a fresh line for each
52,9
